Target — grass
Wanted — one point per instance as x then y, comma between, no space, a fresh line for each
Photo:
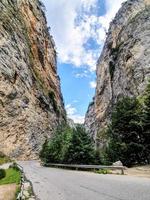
103,171
12,176
17,191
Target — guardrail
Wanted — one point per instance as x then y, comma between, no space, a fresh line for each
122,168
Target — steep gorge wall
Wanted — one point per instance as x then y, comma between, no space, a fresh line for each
31,103
123,68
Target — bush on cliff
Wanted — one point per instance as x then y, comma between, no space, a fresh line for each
4,158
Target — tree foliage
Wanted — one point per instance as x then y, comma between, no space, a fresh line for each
146,123
70,146
80,149
129,131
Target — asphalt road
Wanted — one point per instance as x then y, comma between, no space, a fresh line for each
59,184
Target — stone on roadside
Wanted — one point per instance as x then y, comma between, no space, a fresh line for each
26,185
118,163
26,194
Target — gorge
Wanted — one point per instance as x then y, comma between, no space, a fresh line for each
31,102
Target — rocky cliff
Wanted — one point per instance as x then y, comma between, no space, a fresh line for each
31,104
123,68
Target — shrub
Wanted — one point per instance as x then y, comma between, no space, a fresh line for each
103,171
4,158
2,173
51,95
14,166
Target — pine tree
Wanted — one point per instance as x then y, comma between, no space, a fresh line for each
146,123
125,133
72,146
81,149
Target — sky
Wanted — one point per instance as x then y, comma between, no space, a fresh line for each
79,30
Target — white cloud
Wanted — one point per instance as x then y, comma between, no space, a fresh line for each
73,23
70,110
72,114
71,27
112,8
78,119
93,84
83,74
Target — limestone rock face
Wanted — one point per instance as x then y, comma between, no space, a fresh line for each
31,103
71,123
123,68
90,120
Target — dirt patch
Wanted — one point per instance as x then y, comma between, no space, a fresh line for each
141,171
7,192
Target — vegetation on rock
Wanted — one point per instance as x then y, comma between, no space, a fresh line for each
4,158
51,95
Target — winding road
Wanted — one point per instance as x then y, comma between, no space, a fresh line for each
59,184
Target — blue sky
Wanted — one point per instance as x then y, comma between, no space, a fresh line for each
79,29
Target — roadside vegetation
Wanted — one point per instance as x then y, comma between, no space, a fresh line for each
70,146
10,175
10,179
127,138
103,171
128,134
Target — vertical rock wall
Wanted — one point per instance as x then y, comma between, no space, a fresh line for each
124,65
31,103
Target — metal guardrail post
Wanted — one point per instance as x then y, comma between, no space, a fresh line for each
122,171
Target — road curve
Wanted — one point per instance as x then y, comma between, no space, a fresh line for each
59,184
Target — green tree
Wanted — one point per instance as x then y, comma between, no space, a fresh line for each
146,123
44,151
71,146
54,150
126,133
81,148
